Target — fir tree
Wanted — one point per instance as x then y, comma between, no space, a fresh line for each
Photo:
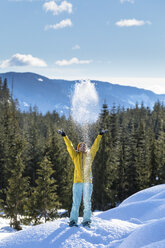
63,167
44,200
104,168
34,146
131,184
11,141
142,160
122,160
154,161
16,194
160,152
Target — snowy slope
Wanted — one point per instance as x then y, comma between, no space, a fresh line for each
137,223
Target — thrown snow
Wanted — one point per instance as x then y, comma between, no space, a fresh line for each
85,103
85,107
136,223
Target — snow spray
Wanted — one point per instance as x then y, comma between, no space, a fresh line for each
85,106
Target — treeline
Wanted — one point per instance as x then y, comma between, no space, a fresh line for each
131,156
36,172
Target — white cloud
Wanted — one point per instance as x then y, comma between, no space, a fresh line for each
63,24
76,47
130,1
57,9
131,23
72,61
23,60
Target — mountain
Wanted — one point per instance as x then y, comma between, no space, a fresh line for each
54,94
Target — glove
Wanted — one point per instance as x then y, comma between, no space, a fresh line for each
61,132
103,131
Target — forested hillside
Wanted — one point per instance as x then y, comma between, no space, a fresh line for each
36,172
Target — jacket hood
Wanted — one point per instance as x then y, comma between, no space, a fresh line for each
79,145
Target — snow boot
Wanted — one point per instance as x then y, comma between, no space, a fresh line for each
73,223
87,223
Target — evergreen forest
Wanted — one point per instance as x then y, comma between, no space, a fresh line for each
36,172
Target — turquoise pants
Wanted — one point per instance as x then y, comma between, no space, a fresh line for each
81,190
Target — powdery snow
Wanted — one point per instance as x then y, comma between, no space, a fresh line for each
146,235
136,223
59,234
5,229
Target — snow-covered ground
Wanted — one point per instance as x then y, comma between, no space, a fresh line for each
139,222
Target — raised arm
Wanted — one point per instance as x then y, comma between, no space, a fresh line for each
96,143
70,147
95,146
68,143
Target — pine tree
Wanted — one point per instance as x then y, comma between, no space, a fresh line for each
11,141
99,166
104,168
122,159
142,160
16,194
157,117
2,155
114,128
34,146
62,165
154,161
44,200
131,184
160,152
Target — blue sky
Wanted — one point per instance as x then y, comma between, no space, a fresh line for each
120,41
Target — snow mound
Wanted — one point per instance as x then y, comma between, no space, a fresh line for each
145,205
137,223
58,234
147,194
146,236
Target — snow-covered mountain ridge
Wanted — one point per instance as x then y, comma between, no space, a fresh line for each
136,223
53,94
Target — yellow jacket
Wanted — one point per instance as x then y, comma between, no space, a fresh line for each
82,161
